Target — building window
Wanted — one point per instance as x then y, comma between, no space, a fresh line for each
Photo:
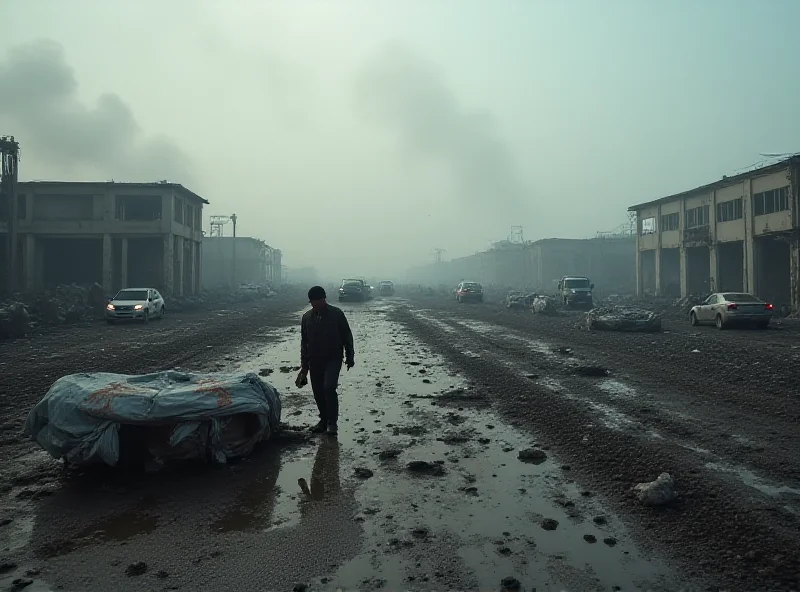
648,225
178,215
729,210
670,222
769,202
697,217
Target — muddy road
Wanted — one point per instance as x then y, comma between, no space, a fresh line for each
423,489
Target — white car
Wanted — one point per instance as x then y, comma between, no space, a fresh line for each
135,304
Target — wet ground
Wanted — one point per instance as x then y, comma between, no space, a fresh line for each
423,488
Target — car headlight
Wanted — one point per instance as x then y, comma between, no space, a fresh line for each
573,291
109,307
137,307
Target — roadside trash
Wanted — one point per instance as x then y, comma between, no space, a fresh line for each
623,318
521,300
532,455
695,351
544,305
115,418
658,492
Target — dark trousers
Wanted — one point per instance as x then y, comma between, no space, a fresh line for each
324,378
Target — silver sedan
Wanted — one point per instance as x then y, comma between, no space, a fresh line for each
729,308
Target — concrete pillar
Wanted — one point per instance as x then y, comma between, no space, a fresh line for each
191,288
658,252
684,272
713,268
794,269
167,263
123,272
199,269
29,274
108,260
749,263
178,288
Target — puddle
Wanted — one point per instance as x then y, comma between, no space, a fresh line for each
116,529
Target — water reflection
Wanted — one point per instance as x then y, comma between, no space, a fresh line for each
325,478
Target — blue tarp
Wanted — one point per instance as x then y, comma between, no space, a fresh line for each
216,416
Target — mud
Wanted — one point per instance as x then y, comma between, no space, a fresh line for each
474,514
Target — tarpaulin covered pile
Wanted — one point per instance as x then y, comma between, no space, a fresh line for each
101,417
623,318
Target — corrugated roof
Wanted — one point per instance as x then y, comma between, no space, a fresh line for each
176,186
724,182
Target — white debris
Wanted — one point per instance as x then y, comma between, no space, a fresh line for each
658,492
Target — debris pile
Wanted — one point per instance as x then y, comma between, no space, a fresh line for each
66,304
658,492
519,300
14,320
684,305
623,318
544,305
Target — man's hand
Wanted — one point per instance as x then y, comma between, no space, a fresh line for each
302,379
350,364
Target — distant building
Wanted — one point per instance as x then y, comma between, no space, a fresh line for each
737,234
229,261
115,234
538,265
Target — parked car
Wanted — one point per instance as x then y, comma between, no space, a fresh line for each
386,288
469,292
135,304
732,308
354,290
575,291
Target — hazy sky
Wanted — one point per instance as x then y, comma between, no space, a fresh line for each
357,136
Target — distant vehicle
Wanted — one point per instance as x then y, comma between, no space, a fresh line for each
469,292
386,288
249,288
732,308
135,304
575,291
354,290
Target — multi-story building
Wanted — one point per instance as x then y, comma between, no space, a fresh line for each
737,234
229,261
115,234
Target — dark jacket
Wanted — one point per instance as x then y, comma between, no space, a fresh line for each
323,337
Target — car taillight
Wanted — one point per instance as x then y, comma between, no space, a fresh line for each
768,306
732,306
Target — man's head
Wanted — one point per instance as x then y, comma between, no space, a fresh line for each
316,296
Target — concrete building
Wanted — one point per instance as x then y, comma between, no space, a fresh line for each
114,234
739,233
538,265
229,261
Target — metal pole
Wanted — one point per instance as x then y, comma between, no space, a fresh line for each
233,266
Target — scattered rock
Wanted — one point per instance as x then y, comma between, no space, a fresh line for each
285,369
658,492
20,584
420,532
426,380
600,520
504,551
610,541
425,468
590,538
7,567
510,584
136,569
363,473
265,372
388,454
532,455
300,588
591,371
162,575
549,524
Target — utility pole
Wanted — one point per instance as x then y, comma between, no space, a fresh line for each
439,253
233,219
9,165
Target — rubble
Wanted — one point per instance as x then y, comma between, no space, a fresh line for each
544,305
623,318
658,492
519,300
684,305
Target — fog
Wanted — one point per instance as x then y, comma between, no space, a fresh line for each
359,136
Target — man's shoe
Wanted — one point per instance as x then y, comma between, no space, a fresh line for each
319,428
333,429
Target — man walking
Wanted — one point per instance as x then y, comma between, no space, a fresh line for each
324,336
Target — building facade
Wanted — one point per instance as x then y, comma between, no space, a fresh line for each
229,261
737,234
114,234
